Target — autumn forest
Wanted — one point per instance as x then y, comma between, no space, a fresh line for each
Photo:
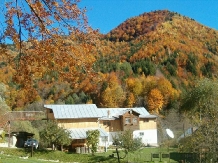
150,60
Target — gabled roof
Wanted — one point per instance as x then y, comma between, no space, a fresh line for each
80,133
77,111
116,112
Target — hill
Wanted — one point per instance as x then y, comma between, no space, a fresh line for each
149,60
163,41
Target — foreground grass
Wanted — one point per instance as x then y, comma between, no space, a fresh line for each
10,155
14,155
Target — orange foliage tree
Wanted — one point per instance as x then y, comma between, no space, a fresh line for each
50,37
155,100
134,85
163,85
167,90
156,92
130,100
113,95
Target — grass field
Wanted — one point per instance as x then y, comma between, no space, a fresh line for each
9,155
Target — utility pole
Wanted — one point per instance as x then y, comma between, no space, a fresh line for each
32,149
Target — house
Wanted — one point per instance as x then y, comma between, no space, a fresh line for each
17,138
80,118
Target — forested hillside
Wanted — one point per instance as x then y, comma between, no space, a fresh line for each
149,60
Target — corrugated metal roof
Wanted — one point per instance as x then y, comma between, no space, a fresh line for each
80,133
91,111
107,118
75,111
148,116
116,112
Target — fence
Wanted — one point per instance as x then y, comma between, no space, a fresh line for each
172,157
152,157
83,150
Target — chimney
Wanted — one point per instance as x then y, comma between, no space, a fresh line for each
108,113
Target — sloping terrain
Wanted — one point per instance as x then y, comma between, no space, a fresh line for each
163,41
155,44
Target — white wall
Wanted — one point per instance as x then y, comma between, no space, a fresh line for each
103,141
4,144
111,136
13,141
149,137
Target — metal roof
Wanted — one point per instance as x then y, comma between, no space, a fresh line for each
148,116
80,133
76,111
116,112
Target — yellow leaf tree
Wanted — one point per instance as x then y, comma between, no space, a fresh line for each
167,90
113,95
135,86
155,100
130,100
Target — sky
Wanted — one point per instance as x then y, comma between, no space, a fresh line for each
106,15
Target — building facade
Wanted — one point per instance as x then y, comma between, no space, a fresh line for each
80,118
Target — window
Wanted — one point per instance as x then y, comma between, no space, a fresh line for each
141,133
127,120
106,123
135,120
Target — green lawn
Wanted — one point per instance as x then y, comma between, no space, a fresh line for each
9,155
